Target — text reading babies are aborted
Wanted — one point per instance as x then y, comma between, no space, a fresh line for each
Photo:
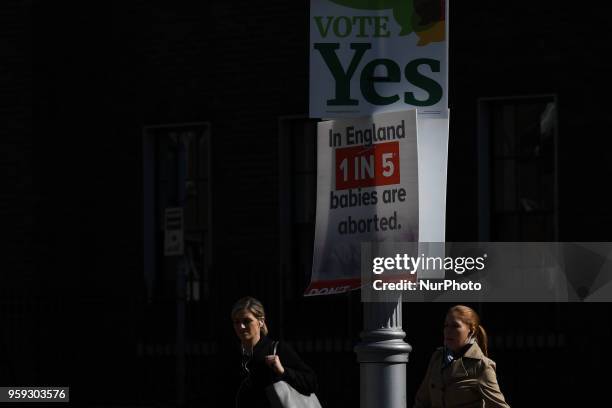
367,157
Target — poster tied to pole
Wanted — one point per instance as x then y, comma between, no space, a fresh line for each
367,191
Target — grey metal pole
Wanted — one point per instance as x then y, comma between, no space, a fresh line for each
382,356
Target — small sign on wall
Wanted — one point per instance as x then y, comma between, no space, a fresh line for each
174,243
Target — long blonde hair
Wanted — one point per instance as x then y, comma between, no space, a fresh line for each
254,306
468,316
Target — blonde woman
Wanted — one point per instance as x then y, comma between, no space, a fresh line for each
460,374
260,365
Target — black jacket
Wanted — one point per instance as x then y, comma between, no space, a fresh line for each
256,375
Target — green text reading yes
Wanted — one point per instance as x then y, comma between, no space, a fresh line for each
375,27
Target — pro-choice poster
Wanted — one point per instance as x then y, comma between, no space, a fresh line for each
369,56
367,191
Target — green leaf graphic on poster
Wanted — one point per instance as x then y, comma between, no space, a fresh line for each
425,17
428,21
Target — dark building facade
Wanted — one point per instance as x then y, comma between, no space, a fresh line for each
113,112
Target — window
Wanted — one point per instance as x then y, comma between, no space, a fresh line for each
177,174
518,169
297,203
298,197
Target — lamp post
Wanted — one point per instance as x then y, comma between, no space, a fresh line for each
382,356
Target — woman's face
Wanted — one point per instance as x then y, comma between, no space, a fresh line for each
247,327
456,333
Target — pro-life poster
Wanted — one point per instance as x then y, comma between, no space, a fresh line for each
367,191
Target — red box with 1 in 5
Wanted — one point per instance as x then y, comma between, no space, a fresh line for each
368,166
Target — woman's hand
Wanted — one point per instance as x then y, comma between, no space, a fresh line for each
275,364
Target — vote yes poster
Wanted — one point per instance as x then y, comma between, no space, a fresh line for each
372,56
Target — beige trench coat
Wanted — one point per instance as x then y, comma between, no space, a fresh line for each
470,381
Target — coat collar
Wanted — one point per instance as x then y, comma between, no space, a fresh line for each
474,352
458,368
259,348
262,345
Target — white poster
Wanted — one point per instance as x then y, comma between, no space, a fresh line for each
372,56
367,190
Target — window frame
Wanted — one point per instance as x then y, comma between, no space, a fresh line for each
486,160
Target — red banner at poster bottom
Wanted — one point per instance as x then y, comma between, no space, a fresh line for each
330,287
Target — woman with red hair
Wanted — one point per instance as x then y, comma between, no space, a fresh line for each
460,374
